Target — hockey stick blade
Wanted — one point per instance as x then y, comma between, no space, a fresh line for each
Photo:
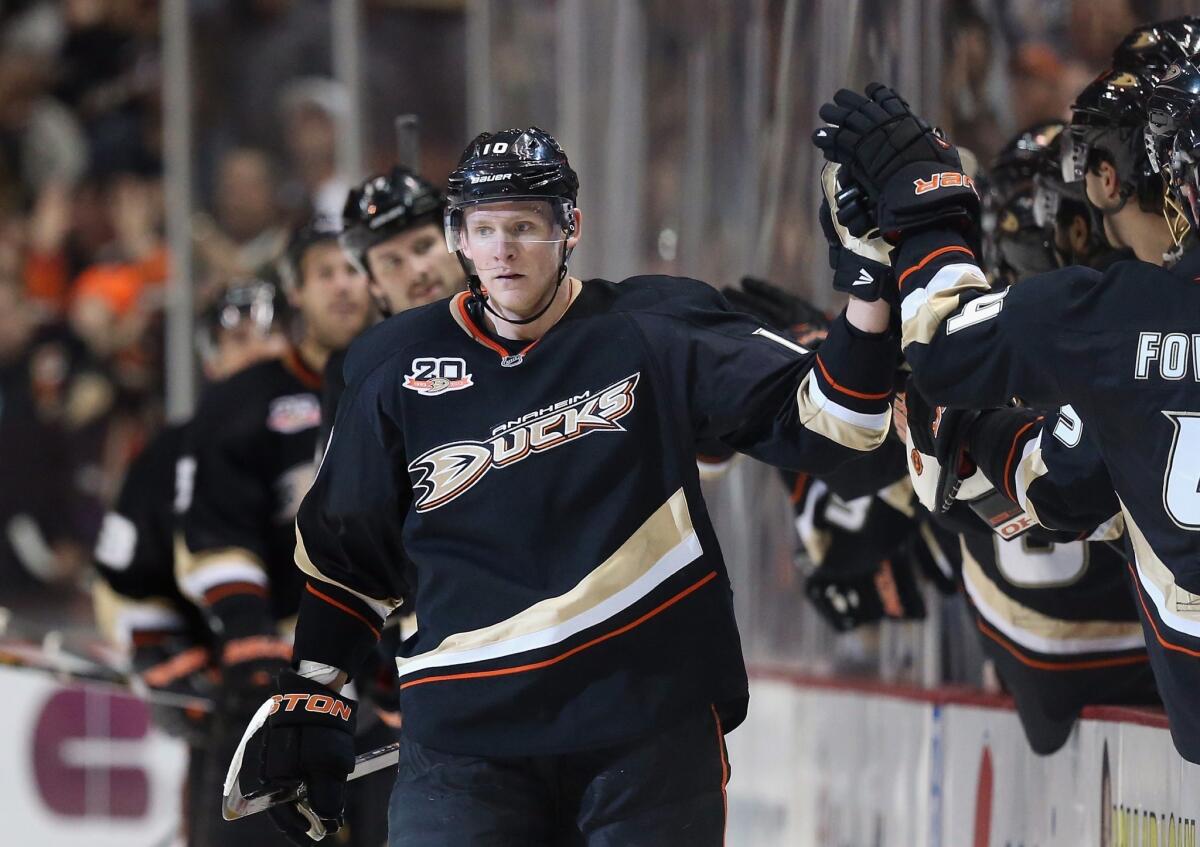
236,805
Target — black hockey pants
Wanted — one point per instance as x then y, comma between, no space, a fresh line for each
664,791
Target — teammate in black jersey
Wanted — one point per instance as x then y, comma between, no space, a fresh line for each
392,231
1117,347
520,461
251,448
138,604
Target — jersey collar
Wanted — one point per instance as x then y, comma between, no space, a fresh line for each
462,317
295,364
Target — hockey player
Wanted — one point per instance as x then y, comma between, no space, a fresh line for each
1104,149
392,231
520,460
138,605
251,448
1117,346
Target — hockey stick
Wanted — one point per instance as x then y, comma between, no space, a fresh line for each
408,142
69,669
236,805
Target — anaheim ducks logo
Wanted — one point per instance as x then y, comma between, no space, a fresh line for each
444,473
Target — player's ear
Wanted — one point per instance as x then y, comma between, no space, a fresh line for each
1077,235
1110,182
578,218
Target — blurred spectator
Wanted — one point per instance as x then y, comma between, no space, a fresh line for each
109,72
40,140
246,230
310,109
246,53
54,401
967,115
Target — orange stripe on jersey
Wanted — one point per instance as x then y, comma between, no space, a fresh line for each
342,606
1012,452
849,392
228,589
300,369
724,772
1081,665
799,488
564,656
941,251
1141,599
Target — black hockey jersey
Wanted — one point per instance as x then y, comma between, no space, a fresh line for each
250,458
1121,348
1048,465
542,504
135,551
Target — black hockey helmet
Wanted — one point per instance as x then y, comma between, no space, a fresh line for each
1159,45
1173,139
1108,121
1020,159
319,229
384,206
255,301
513,164
1024,245
1057,203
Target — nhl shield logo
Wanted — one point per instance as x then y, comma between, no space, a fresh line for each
433,376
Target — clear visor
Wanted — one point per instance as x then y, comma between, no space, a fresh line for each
500,235
1075,152
1046,200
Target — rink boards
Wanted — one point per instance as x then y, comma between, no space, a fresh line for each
834,764
842,765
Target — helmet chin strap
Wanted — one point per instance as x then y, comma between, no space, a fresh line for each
481,299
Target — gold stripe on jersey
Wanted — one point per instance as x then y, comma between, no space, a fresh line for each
196,573
924,309
1177,607
1040,632
304,562
824,416
899,495
1029,470
117,616
661,547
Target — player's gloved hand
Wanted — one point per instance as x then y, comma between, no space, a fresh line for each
251,654
847,600
309,738
862,266
805,323
172,664
910,174
941,433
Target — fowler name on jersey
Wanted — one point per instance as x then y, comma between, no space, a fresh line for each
445,472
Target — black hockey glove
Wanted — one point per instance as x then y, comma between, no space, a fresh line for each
911,176
862,264
849,600
801,320
174,665
941,433
251,653
309,738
